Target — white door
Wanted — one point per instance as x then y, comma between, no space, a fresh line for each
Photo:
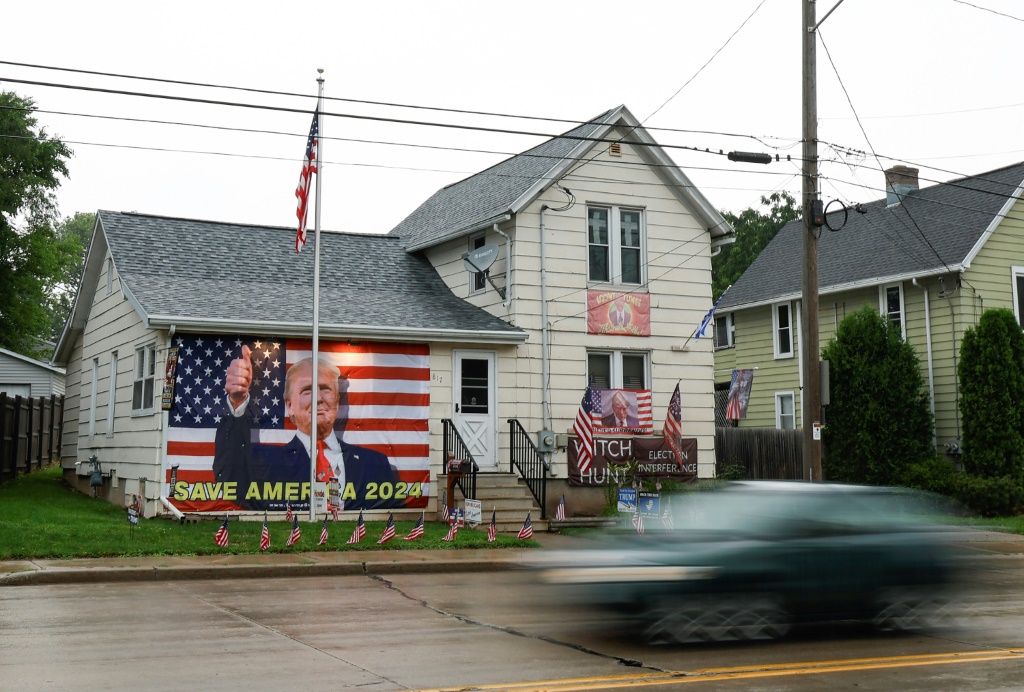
475,414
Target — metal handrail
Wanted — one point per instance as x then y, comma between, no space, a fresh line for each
455,449
527,460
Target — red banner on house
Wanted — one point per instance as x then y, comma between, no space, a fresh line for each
614,312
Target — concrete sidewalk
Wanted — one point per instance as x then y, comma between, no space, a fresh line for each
973,544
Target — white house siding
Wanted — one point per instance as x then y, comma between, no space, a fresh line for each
41,380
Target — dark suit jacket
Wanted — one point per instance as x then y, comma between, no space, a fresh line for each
609,421
241,457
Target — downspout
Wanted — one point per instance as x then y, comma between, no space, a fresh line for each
164,432
956,377
928,350
508,267
544,325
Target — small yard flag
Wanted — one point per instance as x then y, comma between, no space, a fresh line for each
334,511
295,535
323,533
666,516
309,167
560,510
453,530
445,514
359,531
583,426
417,531
674,425
638,521
527,530
492,528
389,530
265,536
221,537
289,515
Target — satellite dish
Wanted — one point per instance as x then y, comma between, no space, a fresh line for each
481,259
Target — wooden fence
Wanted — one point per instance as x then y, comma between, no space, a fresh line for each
764,453
30,433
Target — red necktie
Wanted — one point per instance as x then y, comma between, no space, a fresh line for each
323,469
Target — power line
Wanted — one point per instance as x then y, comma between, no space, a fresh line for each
988,9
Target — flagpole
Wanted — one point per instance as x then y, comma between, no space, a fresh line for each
315,393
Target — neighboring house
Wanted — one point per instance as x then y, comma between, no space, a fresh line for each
421,338
931,259
27,377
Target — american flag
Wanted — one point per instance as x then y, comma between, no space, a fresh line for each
666,515
221,537
323,533
560,510
638,520
289,515
265,536
295,535
389,530
359,531
417,531
452,531
527,530
674,425
309,167
583,426
334,511
492,528
389,409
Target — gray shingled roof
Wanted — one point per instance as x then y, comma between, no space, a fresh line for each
884,242
487,196
227,273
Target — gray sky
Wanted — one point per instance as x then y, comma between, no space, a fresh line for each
935,83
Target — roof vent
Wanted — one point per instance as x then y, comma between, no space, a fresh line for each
615,149
899,182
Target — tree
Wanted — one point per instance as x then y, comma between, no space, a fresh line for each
878,422
75,231
754,230
991,373
32,257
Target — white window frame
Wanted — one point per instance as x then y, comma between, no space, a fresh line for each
92,396
477,281
110,275
141,372
615,376
883,306
615,244
112,385
1017,274
725,325
779,396
777,334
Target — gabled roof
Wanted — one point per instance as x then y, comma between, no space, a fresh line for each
495,194
32,361
934,230
238,278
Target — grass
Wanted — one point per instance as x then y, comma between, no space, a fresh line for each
42,518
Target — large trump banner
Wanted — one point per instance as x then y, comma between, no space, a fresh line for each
241,430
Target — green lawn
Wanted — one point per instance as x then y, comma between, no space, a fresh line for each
40,517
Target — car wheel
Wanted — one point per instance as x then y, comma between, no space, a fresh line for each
903,609
715,619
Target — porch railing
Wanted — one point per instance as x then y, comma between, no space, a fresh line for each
527,460
456,451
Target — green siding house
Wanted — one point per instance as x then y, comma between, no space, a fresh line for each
931,258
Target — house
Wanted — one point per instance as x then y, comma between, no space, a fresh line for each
470,332
27,377
931,258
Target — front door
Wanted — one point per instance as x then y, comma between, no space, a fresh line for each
475,400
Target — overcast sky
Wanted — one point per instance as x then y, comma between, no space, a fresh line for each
936,83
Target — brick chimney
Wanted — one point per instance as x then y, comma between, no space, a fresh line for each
899,181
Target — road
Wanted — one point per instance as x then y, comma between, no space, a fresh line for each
480,630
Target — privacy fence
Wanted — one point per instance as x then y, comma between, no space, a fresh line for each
763,453
30,433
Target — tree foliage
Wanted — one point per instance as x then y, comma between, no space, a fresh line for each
33,258
991,373
878,422
754,230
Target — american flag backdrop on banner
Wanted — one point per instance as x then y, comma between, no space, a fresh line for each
388,395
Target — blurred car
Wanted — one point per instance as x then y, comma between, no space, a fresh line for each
752,559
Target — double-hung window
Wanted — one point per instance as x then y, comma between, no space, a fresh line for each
1018,293
890,304
782,329
725,330
617,370
111,393
145,379
616,245
785,413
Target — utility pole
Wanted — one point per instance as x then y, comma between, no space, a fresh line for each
811,382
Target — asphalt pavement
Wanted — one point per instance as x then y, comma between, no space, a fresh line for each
353,562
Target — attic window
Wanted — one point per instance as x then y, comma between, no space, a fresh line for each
615,149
